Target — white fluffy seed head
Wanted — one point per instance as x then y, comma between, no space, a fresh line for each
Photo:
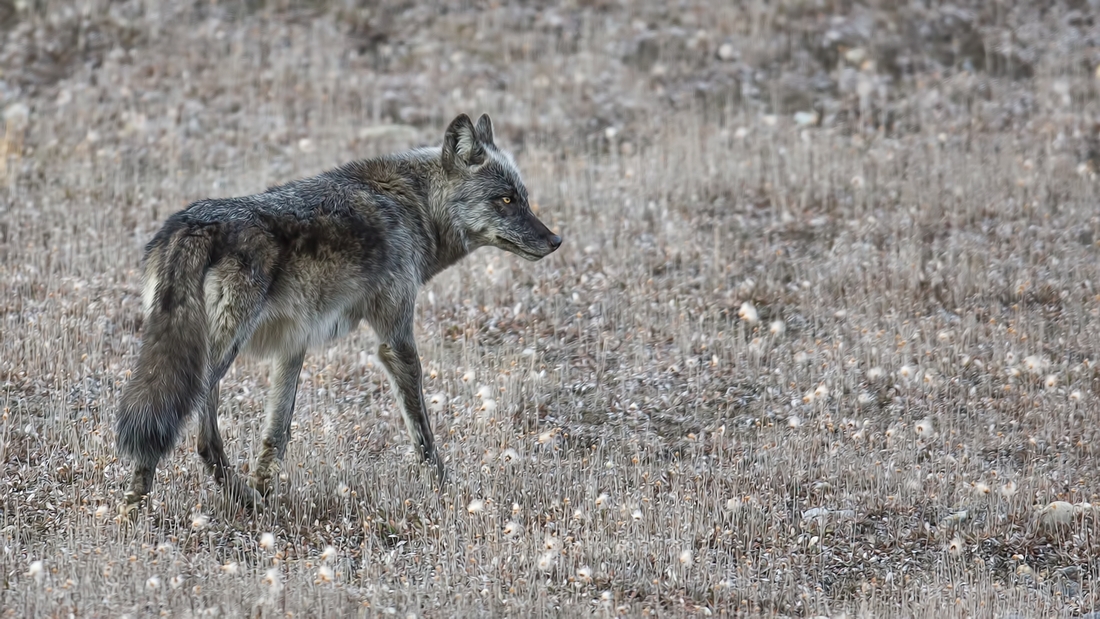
512,529
777,327
200,521
343,491
37,570
748,313
1008,489
546,561
328,554
324,574
685,557
603,500
267,541
101,511
153,582
437,402
636,514
476,506
584,574
955,547
793,421
924,429
906,372
509,455
469,376
484,391
273,579
1034,363
231,568
875,374
176,581
1051,381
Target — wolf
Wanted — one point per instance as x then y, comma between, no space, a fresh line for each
277,273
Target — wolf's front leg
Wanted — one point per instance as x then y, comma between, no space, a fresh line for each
403,366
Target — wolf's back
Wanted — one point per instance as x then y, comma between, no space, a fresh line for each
170,376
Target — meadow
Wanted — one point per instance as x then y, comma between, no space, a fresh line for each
821,341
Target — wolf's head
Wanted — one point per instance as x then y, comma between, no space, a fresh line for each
488,198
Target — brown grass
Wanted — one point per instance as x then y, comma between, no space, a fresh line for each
919,381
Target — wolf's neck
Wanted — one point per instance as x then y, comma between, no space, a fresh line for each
447,249
449,242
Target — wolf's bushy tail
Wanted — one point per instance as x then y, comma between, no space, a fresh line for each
170,376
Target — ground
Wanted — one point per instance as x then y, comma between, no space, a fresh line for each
822,339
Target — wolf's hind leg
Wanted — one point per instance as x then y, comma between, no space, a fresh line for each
210,446
280,409
234,301
398,354
212,450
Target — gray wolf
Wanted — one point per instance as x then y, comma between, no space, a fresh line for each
279,272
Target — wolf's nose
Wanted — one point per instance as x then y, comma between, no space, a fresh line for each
555,241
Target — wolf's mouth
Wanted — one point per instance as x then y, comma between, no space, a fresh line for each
519,250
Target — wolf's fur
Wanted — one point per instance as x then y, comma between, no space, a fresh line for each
278,272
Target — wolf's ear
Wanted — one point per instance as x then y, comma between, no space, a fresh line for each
484,130
461,148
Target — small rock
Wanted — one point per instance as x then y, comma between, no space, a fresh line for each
1057,513
1072,572
856,55
817,512
955,519
16,115
805,119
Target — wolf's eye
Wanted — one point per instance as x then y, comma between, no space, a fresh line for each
506,200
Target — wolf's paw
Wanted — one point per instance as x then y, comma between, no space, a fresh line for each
128,510
438,471
262,479
240,492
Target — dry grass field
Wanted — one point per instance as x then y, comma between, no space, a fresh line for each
822,340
